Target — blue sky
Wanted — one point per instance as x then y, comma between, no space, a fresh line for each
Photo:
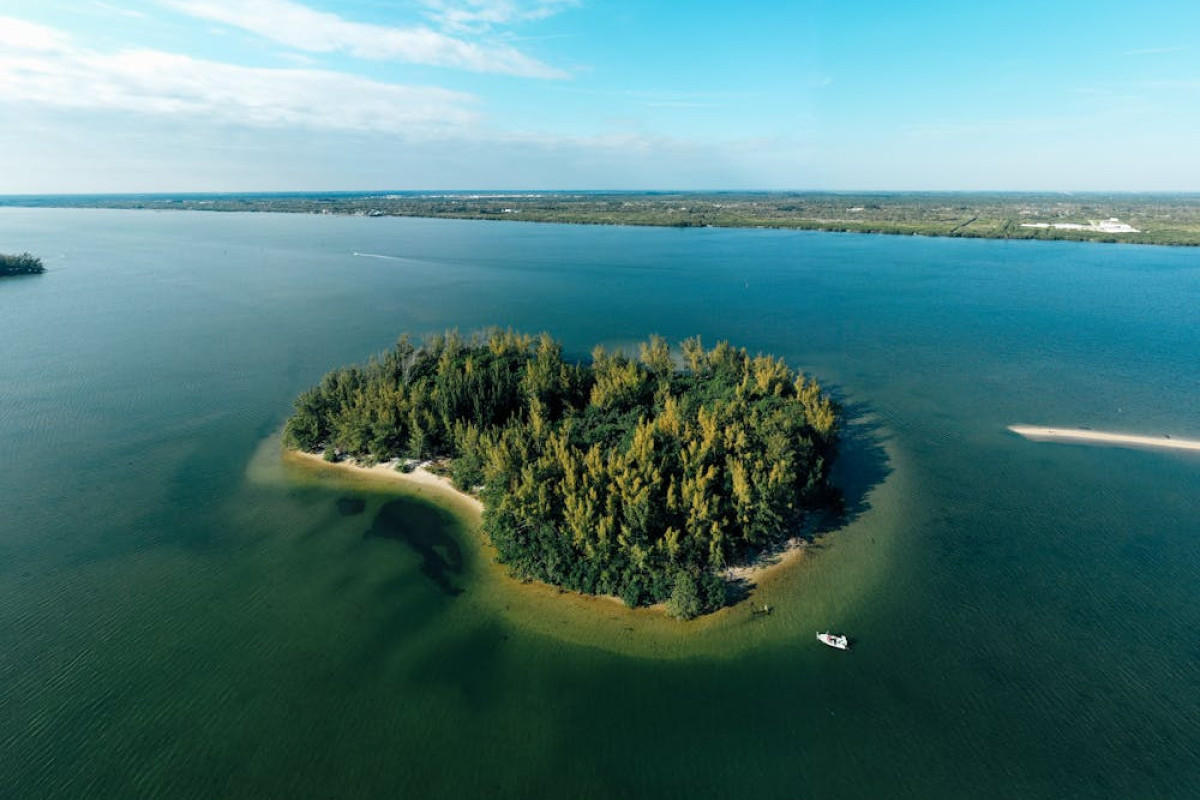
279,95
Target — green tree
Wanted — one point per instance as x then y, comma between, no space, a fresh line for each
656,356
685,601
622,476
23,264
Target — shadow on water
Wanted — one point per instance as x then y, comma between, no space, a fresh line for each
863,464
423,528
351,506
464,665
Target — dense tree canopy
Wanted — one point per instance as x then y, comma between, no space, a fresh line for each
24,264
631,477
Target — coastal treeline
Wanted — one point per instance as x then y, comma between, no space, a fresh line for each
1163,219
23,264
638,477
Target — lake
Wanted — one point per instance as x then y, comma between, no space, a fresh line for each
183,615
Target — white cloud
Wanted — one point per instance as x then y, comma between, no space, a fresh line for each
1154,51
39,65
1184,84
477,15
313,31
122,12
678,104
17,34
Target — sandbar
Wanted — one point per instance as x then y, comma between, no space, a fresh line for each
1037,433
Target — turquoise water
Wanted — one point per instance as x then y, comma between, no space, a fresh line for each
183,616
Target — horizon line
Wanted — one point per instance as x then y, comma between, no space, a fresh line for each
512,191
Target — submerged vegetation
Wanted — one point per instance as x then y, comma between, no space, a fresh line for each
23,264
640,478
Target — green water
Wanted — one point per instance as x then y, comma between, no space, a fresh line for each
183,615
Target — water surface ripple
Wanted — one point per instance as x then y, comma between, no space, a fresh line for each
182,616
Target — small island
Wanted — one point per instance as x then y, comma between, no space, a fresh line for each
23,264
644,478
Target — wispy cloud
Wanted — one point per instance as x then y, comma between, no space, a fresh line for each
679,104
117,10
951,129
17,34
481,15
303,28
1184,84
1106,107
659,97
40,65
1155,51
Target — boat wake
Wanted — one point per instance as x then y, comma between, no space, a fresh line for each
380,255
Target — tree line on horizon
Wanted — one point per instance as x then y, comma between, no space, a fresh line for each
636,477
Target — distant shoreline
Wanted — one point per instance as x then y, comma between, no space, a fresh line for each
1166,219
1037,433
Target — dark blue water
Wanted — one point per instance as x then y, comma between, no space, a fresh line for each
183,616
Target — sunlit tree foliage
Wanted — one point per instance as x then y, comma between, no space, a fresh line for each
640,478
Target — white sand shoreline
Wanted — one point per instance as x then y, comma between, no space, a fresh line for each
419,476
1038,433
788,552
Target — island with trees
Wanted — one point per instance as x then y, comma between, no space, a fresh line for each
642,478
23,264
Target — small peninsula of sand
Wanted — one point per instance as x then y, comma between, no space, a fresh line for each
419,476
1042,434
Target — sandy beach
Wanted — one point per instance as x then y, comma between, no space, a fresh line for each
420,476
1041,434
791,551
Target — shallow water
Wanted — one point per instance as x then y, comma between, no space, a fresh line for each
184,615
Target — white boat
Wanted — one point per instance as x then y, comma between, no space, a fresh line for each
834,640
